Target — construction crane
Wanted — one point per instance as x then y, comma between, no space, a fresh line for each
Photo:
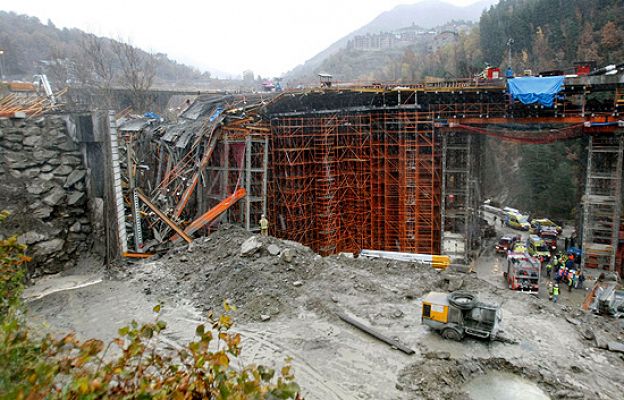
42,80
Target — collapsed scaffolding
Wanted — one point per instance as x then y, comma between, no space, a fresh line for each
176,180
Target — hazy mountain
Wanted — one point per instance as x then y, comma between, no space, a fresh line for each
30,47
426,14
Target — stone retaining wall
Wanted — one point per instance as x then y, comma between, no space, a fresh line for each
42,183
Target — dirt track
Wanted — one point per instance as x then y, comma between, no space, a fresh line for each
332,359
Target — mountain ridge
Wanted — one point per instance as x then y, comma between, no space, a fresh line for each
399,17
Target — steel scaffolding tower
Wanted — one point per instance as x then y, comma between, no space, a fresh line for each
345,182
238,162
602,201
256,165
460,165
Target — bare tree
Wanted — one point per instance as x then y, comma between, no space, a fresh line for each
96,67
58,68
137,72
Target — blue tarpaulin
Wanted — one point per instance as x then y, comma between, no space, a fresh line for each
575,250
151,115
531,90
216,113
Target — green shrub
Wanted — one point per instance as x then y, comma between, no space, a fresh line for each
12,271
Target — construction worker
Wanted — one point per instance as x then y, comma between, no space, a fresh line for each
556,293
550,291
549,268
264,225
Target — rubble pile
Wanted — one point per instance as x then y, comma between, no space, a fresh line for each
42,182
265,277
259,275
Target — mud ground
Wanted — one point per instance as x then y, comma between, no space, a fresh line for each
287,297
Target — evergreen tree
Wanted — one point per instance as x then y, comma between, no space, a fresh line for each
543,55
587,48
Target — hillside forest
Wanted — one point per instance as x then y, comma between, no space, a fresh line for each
544,35
69,55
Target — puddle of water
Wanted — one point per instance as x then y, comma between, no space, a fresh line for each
502,385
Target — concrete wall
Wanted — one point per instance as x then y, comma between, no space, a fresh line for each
43,184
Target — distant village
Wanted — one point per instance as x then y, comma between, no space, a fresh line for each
403,37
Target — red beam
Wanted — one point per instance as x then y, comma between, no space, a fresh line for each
534,120
189,190
212,214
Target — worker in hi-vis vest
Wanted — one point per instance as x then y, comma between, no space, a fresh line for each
264,225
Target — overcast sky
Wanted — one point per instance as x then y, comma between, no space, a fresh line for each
268,36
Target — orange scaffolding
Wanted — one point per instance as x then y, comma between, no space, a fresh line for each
344,182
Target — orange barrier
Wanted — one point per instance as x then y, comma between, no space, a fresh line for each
137,255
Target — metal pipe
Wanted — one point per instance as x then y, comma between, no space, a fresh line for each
394,343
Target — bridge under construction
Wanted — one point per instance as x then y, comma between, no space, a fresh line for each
378,167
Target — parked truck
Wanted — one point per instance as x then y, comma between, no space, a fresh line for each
522,273
458,314
550,236
537,225
505,244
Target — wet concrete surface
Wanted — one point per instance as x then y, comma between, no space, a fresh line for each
497,385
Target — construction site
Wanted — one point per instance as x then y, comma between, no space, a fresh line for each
352,168
374,201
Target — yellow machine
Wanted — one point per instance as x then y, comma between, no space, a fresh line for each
458,314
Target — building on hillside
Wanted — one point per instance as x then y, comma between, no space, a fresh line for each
402,37
373,42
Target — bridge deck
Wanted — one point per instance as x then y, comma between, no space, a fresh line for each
588,100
